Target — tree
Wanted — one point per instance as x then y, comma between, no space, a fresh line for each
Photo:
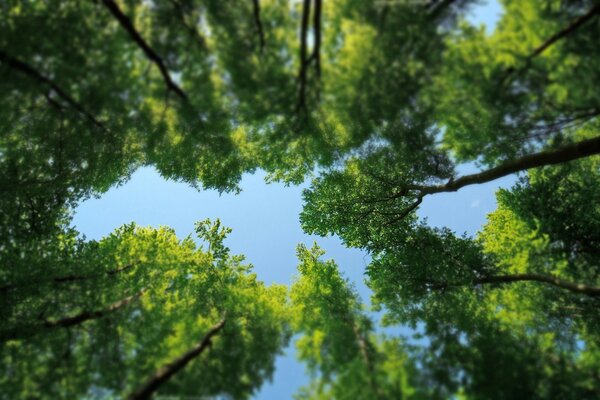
186,320
338,343
522,295
384,100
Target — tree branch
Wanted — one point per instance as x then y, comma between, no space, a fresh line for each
259,26
572,27
317,31
407,211
30,71
150,53
66,322
303,60
560,155
592,291
166,372
66,279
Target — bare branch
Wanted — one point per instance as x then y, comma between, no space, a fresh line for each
146,390
150,53
30,71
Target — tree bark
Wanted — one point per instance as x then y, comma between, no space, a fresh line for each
166,372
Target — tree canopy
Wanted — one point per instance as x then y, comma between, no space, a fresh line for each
378,103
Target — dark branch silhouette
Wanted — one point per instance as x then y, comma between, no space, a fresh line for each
592,291
66,279
146,390
303,50
315,54
30,71
571,28
150,53
66,322
259,25
407,211
560,155
317,32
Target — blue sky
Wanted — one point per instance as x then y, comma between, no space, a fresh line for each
266,227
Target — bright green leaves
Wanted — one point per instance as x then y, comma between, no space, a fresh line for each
338,342
327,311
179,292
370,202
214,235
501,95
206,91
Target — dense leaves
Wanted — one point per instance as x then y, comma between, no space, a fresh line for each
176,292
378,102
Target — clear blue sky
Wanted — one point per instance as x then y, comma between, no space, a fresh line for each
266,227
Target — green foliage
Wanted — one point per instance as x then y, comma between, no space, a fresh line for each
338,344
383,106
184,291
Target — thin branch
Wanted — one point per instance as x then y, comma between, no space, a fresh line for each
592,291
66,279
89,315
30,71
303,60
259,25
127,24
407,211
572,27
560,155
579,22
146,390
66,322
